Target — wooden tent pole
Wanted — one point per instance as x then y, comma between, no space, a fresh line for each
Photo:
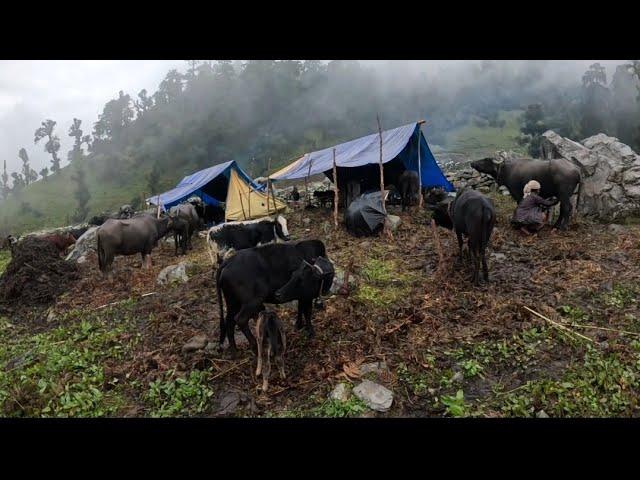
306,180
268,183
158,202
419,166
384,208
335,191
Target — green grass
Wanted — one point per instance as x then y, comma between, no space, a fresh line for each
384,284
175,396
5,258
52,201
482,141
60,372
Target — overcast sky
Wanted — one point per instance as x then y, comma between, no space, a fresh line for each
34,90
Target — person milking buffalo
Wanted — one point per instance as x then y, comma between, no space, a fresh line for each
532,213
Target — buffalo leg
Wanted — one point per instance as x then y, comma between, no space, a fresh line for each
280,363
460,245
485,268
299,323
242,319
308,311
565,213
230,329
266,369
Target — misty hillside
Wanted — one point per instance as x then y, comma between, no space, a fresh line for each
258,112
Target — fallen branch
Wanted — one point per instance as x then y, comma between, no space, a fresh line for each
559,325
230,369
625,332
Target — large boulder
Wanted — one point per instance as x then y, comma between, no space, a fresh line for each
85,244
173,274
610,172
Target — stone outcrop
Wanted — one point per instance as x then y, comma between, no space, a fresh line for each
610,171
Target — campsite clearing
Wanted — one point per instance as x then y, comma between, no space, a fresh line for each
450,349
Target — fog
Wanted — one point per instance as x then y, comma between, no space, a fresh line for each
32,91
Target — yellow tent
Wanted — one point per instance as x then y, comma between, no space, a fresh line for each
245,203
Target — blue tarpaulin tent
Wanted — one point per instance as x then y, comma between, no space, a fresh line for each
200,185
224,183
399,152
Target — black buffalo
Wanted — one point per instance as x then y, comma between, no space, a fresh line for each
224,239
558,178
409,188
306,284
128,237
187,212
251,277
470,214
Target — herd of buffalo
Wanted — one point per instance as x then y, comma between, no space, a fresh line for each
256,264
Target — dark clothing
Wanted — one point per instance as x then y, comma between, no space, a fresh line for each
529,211
295,195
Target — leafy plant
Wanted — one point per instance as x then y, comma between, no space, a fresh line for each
455,405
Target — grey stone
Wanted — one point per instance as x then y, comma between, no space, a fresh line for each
457,377
196,343
393,222
617,229
611,173
375,367
338,281
341,392
306,221
173,273
499,257
85,244
228,403
542,414
374,395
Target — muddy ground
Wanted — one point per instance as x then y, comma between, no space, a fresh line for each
450,349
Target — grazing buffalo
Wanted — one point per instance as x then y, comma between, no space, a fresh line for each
409,188
128,237
470,214
188,213
251,277
180,227
61,241
558,178
226,238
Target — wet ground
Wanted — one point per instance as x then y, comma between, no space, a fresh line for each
435,331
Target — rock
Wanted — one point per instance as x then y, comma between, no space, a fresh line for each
51,316
228,402
499,257
338,281
542,414
196,343
375,367
173,273
375,396
366,244
610,171
616,229
505,193
86,243
393,222
82,259
212,348
457,377
306,221
341,392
